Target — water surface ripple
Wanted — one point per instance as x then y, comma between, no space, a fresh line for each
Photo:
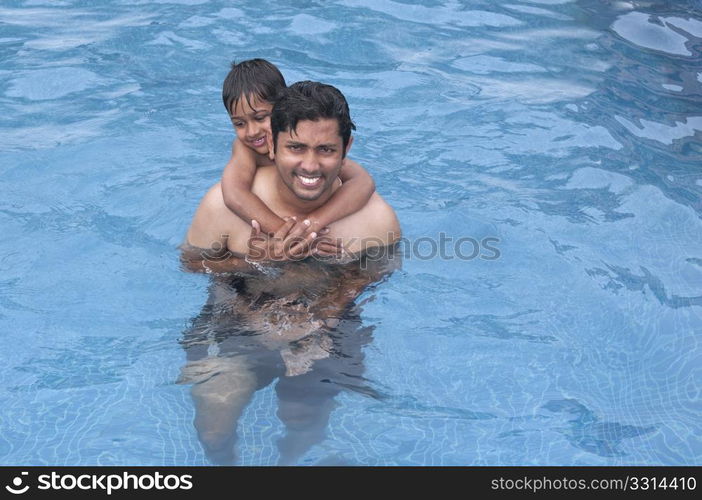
568,129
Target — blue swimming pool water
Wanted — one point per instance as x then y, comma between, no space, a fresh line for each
569,130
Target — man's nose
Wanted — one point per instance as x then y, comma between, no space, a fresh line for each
310,163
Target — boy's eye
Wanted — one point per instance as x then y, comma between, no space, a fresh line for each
260,118
238,124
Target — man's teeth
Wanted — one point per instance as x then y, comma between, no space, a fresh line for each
308,180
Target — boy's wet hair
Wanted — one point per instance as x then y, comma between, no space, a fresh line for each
310,101
254,77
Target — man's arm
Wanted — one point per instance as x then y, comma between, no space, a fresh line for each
204,260
213,242
371,269
370,238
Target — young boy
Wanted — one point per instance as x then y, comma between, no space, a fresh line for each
248,93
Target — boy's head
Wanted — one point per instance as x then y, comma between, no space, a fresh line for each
254,78
311,101
248,93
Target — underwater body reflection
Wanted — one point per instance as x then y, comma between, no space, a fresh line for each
297,323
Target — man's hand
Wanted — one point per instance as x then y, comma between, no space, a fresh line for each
322,246
289,242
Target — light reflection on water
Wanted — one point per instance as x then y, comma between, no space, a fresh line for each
569,130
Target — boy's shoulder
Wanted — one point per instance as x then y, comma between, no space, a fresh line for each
241,151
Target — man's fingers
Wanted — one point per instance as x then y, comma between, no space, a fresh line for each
299,229
255,239
280,238
296,237
292,242
257,243
283,230
300,245
328,242
326,248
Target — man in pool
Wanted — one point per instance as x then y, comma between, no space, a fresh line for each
294,320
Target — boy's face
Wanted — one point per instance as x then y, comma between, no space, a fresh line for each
252,122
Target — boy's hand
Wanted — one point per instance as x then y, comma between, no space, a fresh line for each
289,242
322,246
312,225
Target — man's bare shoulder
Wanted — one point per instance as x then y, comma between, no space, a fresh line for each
263,179
214,224
376,224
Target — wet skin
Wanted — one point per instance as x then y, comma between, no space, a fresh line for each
295,322
261,326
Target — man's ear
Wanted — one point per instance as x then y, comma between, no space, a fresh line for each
269,141
348,146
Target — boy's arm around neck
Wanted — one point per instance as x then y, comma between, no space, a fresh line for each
355,191
237,179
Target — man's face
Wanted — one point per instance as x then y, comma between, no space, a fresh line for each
252,122
309,159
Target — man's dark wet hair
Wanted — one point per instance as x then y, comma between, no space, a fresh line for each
254,77
310,101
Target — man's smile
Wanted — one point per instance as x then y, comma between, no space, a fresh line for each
311,181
